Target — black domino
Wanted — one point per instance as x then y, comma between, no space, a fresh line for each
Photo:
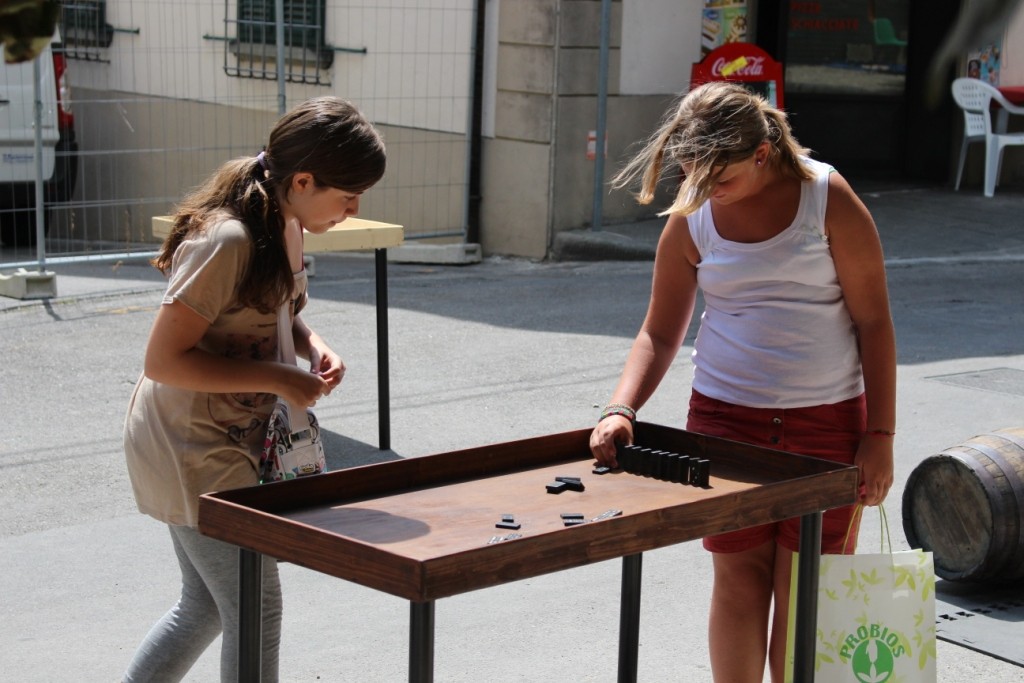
686,469
571,483
658,464
665,465
556,487
646,462
672,471
508,525
626,456
703,476
650,461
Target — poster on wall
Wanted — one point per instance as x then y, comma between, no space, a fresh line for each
722,22
984,63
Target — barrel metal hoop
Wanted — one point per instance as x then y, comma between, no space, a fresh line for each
1016,485
988,483
1012,437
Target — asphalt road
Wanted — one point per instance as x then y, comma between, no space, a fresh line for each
502,350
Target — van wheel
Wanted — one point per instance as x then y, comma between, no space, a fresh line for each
18,229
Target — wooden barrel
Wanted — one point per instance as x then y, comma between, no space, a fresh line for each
966,506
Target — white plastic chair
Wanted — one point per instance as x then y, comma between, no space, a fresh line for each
975,97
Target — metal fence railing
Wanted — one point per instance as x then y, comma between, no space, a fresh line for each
154,95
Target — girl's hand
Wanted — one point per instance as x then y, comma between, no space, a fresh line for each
327,365
612,430
875,461
299,387
323,362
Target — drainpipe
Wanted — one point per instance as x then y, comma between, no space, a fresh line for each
602,110
474,171
553,129
282,97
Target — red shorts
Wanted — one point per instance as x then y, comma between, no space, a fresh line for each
830,432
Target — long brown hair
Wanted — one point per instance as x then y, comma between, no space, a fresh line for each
712,126
324,136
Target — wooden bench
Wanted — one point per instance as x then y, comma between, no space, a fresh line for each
354,234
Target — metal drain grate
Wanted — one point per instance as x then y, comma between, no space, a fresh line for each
987,621
999,380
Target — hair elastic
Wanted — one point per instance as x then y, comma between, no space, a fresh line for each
261,159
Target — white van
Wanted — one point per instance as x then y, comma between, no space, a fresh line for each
17,143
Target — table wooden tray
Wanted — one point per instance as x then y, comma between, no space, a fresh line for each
424,528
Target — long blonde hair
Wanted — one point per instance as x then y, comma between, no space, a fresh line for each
711,126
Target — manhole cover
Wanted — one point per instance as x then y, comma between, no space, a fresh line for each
981,619
999,380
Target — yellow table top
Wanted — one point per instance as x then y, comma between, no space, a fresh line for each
352,235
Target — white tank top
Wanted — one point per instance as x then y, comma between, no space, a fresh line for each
775,332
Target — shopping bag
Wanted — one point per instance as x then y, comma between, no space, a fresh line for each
292,448
876,617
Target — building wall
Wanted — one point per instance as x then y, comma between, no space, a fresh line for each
545,106
159,113
138,154
156,112
1013,59
516,184
1012,73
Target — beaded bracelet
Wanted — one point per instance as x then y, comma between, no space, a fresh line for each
880,432
618,409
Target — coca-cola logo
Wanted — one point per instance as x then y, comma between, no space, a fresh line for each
754,66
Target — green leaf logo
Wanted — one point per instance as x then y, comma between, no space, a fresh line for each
873,661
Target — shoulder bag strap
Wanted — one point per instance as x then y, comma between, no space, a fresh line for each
297,417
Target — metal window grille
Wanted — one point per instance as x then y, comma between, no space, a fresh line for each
84,29
253,51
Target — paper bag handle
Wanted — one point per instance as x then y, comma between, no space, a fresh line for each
883,521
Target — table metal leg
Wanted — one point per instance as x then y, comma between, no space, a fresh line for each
250,617
421,642
383,372
629,618
805,638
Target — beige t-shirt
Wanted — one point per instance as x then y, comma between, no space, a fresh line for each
181,443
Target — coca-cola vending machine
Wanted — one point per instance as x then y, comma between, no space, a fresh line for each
745,63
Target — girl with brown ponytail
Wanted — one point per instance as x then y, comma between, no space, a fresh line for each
197,417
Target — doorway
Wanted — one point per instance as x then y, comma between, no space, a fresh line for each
854,81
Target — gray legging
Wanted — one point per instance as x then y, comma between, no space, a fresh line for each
208,605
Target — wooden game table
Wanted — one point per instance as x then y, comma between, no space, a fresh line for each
424,528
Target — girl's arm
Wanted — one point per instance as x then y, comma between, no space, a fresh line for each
673,294
173,358
322,360
857,252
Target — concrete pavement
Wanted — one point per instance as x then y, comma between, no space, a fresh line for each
502,350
